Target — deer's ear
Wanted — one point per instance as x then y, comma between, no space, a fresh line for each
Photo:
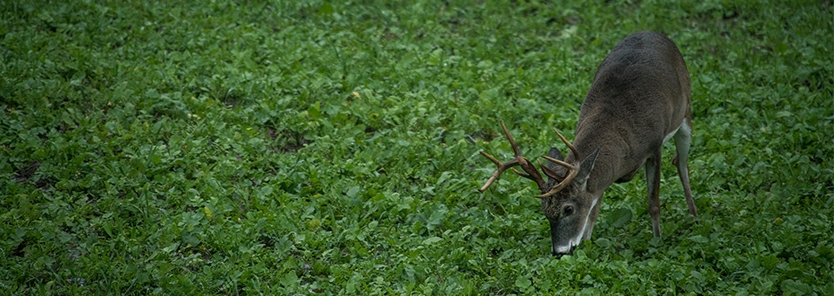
585,169
558,169
555,153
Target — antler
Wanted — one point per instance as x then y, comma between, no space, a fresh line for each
573,170
570,146
532,172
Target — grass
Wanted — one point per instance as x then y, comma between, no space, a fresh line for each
312,147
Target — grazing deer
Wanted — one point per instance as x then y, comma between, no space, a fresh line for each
638,101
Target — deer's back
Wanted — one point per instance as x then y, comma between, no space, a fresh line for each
639,95
642,86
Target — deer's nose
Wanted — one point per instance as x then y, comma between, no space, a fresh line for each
559,253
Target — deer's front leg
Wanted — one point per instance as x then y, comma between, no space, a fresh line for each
653,184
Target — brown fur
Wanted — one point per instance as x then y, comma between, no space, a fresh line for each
614,116
640,94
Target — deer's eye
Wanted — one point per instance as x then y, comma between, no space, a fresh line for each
568,210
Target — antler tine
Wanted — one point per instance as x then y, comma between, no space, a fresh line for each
572,172
523,162
573,149
502,166
510,138
527,162
559,162
530,169
562,185
519,160
495,161
520,173
550,173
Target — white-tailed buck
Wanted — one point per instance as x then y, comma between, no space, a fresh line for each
638,101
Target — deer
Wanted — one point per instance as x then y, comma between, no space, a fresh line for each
639,99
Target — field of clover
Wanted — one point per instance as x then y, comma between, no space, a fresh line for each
331,147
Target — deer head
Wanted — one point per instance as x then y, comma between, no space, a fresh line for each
569,207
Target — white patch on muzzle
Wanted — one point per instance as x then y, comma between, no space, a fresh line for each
576,240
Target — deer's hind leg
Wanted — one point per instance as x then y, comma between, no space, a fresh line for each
683,139
652,168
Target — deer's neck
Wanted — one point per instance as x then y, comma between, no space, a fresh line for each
614,161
